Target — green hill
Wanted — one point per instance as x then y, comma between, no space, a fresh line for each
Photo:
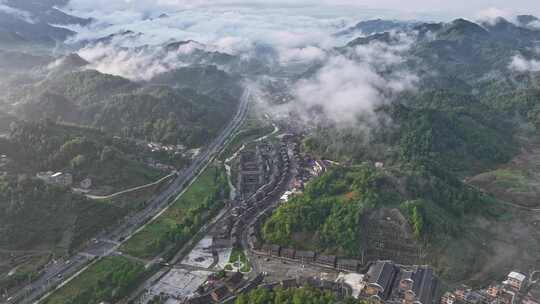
121,107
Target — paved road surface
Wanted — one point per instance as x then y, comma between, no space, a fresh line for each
107,244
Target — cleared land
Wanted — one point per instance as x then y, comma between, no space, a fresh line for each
517,182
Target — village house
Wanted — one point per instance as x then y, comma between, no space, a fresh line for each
219,294
305,256
448,298
327,260
234,281
379,279
348,265
288,253
59,178
515,280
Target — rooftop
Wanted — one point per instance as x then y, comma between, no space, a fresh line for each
517,276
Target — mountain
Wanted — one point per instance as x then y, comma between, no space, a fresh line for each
122,107
528,20
21,61
35,21
463,141
370,27
203,78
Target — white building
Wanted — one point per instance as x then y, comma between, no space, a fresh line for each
59,178
515,280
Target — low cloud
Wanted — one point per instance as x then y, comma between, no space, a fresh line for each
142,64
305,54
350,88
521,64
493,14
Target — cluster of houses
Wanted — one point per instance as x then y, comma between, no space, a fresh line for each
56,178
226,290
251,172
307,169
159,166
384,282
4,160
305,256
64,179
256,206
513,290
157,147
388,282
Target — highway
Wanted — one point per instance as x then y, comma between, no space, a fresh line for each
61,272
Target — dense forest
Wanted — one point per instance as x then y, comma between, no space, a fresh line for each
470,112
85,152
128,109
34,215
331,207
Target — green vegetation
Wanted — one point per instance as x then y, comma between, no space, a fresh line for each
24,271
184,218
34,215
85,152
511,179
121,107
109,280
239,255
331,208
303,295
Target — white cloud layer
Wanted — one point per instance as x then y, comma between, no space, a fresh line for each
521,64
140,64
349,92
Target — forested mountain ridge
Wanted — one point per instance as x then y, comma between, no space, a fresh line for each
468,113
126,108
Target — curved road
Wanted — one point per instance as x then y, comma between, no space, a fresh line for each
57,274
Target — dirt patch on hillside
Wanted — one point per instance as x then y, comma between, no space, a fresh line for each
517,182
387,235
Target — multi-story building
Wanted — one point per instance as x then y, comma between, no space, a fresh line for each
515,280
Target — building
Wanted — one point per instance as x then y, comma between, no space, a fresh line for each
271,249
305,256
205,299
515,280
234,281
288,253
219,294
328,260
448,298
493,291
218,243
474,298
59,178
380,278
348,265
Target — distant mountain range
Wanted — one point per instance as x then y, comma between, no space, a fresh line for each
37,22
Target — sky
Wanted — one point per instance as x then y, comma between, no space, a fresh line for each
408,8
274,21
